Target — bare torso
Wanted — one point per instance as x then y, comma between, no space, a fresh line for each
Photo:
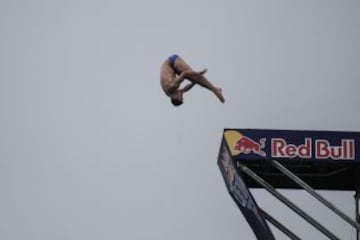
167,77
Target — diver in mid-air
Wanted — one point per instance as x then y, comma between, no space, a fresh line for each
174,71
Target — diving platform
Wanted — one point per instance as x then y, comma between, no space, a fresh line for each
289,159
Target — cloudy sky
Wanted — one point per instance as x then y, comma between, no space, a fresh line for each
91,148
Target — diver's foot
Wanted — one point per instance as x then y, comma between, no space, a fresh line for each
202,72
218,93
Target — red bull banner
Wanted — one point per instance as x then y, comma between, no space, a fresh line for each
293,145
241,195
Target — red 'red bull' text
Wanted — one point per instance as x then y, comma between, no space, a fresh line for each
280,148
322,149
345,151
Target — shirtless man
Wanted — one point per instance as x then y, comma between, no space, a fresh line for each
174,71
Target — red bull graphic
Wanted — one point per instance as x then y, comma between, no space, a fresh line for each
247,145
241,144
295,145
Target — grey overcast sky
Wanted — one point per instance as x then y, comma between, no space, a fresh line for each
90,147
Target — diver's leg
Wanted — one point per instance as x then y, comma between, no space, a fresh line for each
196,77
188,74
202,81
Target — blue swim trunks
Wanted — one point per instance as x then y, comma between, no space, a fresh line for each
172,60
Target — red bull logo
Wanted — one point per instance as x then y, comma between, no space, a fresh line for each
322,150
241,144
272,146
247,145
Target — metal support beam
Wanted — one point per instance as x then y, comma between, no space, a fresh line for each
287,202
278,225
357,217
312,192
357,196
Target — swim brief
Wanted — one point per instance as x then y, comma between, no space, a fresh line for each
172,60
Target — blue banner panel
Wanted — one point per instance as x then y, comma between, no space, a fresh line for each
260,144
241,195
